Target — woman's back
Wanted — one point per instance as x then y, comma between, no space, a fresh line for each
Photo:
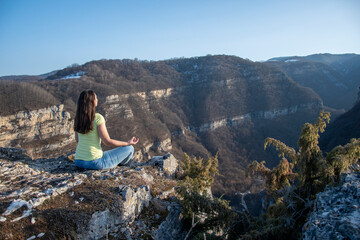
89,146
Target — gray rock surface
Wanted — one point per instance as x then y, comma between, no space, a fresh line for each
95,204
172,227
100,224
134,200
336,212
167,164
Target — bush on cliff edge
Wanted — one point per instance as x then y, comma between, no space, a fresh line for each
299,176
203,214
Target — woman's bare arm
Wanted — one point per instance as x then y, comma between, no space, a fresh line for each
104,135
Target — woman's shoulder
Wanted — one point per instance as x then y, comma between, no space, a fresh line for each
98,115
99,119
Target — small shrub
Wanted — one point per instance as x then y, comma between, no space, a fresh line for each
198,205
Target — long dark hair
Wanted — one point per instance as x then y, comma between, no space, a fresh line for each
85,112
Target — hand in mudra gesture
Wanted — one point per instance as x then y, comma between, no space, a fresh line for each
133,141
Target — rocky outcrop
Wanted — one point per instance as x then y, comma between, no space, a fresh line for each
132,202
52,198
172,227
117,104
167,164
151,95
160,147
336,213
236,120
44,132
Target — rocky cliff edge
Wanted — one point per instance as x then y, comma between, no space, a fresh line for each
336,213
53,199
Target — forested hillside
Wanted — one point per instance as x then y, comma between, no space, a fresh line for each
344,128
335,78
199,105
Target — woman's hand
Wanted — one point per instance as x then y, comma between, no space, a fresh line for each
133,141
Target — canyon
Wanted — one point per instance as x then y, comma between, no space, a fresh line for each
199,106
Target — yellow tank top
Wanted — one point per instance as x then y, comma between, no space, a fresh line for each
89,145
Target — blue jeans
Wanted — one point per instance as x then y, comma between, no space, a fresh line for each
110,159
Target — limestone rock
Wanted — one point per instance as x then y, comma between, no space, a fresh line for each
172,227
45,132
167,164
336,213
134,200
270,114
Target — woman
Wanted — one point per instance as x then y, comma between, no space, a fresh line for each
90,130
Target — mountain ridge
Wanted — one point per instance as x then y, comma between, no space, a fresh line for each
334,77
155,99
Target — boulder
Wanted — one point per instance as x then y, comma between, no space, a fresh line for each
167,164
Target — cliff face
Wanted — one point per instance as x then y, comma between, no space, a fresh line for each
51,198
44,132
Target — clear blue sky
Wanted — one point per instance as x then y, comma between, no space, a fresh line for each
39,36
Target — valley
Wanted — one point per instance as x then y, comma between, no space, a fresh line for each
199,106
